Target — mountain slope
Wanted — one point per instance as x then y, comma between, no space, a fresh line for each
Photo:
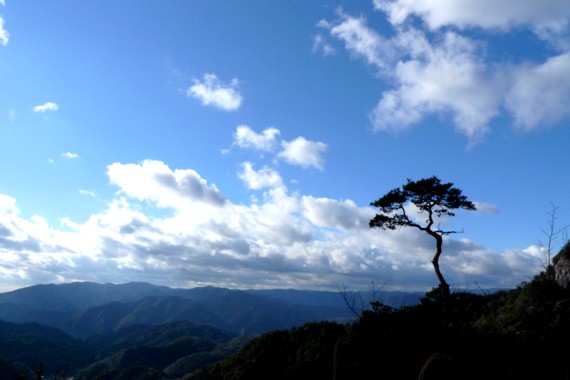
83,309
148,311
165,351
31,343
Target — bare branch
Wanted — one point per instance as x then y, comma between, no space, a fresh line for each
351,300
551,234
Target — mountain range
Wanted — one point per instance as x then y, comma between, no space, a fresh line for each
82,309
144,331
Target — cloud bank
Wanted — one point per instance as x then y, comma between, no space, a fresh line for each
173,227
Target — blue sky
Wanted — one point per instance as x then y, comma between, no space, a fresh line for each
239,144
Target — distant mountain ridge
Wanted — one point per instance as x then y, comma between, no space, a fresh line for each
83,309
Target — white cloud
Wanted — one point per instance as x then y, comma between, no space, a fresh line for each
155,182
284,240
212,92
445,78
330,213
260,179
245,137
7,205
444,72
362,41
49,106
494,14
70,155
540,93
303,152
4,35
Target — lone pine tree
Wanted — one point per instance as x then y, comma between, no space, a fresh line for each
433,199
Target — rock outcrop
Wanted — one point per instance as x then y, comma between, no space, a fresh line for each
562,266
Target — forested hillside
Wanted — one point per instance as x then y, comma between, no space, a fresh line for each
516,334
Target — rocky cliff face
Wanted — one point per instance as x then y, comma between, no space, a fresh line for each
562,266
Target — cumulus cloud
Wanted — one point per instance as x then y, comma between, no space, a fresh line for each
46,107
303,152
212,92
540,93
489,14
300,151
283,240
447,77
260,179
245,137
443,70
154,181
7,205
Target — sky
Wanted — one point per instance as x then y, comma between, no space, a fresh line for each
240,144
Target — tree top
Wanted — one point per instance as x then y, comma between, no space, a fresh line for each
429,195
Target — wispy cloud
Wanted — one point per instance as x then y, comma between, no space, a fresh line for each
88,193
486,208
321,45
70,155
46,107
212,92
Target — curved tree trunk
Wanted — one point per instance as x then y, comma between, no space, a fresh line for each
435,261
